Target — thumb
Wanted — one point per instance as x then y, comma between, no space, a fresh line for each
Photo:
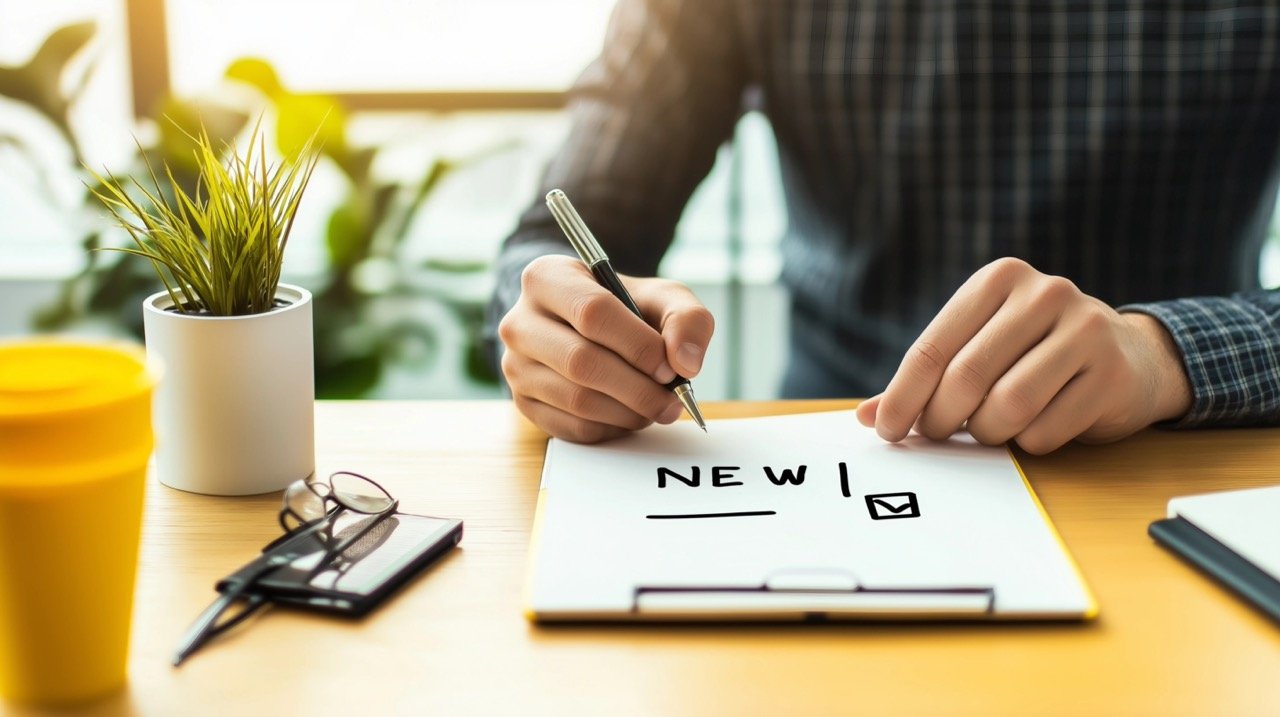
685,324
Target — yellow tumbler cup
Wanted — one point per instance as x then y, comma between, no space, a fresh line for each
75,437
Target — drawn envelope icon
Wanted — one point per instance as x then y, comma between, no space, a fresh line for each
887,506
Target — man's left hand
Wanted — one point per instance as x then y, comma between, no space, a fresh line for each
1019,355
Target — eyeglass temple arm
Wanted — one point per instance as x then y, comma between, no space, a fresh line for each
206,626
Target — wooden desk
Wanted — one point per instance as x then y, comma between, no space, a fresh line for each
1168,640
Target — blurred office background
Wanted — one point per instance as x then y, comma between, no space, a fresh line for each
445,112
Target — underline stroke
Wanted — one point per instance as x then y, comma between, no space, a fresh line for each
744,513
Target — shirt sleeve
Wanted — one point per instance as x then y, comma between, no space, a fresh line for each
646,120
1231,350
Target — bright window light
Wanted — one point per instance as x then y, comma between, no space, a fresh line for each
389,45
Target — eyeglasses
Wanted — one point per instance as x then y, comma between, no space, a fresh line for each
310,506
310,500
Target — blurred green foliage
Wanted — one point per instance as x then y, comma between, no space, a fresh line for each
356,337
38,83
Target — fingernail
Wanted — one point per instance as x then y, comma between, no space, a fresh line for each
690,356
671,414
664,374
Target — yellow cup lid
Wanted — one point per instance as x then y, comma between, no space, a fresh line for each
72,411
45,376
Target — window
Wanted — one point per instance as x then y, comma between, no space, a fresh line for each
389,45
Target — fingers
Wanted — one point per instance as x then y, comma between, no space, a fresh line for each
564,425
580,414
685,324
582,366
1020,396
923,367
543,384
1016,354
970,376
564,288
1070,414
581,363
867,411
1046,385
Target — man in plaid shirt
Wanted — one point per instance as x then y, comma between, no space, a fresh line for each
971,188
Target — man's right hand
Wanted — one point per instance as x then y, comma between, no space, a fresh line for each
583,367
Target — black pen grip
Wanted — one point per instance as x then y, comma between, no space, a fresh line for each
608,278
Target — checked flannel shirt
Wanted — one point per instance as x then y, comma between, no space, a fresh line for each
1129,146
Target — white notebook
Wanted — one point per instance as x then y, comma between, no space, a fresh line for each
1246,521
793,517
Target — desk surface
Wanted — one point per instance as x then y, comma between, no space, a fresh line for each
1168,641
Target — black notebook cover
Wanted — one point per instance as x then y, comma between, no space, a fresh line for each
1227,566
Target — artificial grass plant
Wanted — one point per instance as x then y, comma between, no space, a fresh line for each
217,248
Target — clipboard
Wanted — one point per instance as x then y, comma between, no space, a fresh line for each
793,518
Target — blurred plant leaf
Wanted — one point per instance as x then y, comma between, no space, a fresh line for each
357,163
38,83
344,235
455,266
184,120
397,220
349,378
124,280
66,308
256,72
476,362
57,50
298,116
105,287
470,315
412,344
15,85
383,203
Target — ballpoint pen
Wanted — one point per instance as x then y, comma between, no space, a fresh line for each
594,257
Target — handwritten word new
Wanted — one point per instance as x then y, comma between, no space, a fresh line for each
723,476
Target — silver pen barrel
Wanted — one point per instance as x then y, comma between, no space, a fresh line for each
580,237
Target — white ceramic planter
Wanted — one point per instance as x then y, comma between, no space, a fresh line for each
234,413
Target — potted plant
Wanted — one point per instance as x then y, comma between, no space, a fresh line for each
234,413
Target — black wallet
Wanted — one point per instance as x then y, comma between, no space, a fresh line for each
388,552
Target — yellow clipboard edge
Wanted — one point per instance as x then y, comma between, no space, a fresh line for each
531,564
1090,612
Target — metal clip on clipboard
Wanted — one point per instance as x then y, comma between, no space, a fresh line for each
831,594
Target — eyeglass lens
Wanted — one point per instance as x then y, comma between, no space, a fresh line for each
303,502
356,492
